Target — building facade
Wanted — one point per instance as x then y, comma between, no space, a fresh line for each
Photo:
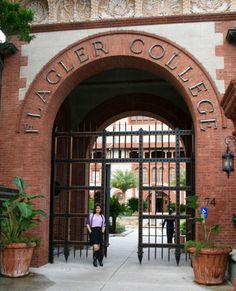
94,62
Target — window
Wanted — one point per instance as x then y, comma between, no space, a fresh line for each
172,174
169,155
158,154
95,177
133,154
97,155
154,174
160,175
147,155
145,175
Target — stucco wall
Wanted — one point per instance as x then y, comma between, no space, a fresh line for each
200,39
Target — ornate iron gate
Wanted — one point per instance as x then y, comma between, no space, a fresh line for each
81,176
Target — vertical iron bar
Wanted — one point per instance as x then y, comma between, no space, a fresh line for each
140,234
103,169
107,206
149,192
156,194
68,176
125,151
177,220
53,182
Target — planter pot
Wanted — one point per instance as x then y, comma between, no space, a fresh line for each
209,266
15,259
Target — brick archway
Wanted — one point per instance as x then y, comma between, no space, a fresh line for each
98,53
102,52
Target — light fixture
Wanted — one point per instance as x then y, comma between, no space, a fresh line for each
2,37
228,156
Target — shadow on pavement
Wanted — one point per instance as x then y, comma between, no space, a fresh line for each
36,282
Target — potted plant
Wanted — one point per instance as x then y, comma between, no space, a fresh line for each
209,260
19,216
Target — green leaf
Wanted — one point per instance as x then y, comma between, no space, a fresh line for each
123,180
39,211
20,184
25,209
35,196
215,228
191,202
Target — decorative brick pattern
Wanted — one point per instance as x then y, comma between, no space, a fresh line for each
226,50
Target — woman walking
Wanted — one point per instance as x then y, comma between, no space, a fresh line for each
96,227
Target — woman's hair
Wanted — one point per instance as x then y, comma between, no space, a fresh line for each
95,206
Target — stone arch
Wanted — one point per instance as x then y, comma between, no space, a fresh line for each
99,52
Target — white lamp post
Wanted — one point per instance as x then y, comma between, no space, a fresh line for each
2,37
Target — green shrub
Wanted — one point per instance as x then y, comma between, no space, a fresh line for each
183,227
132,205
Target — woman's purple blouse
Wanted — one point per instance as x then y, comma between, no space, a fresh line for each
95,220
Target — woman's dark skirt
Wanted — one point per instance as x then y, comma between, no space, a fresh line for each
96,237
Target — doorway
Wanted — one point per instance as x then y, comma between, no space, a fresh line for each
82,171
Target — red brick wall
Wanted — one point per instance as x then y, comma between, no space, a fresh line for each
227,50
29,155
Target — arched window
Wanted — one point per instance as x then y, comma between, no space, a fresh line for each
172,174
145,175
154,175
160,175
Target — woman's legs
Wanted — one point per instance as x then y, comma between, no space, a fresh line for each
96,248
97,255
100,256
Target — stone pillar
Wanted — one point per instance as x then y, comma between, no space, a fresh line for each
94,9
233,5
138,9
186,7
52,11
153,202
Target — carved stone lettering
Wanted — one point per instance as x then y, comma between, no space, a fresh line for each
65,67
35,115
136,46
195,89
157,52
169,63
98,47
208,123
189,68
53,77
30,129
81,55
208,108
42,95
